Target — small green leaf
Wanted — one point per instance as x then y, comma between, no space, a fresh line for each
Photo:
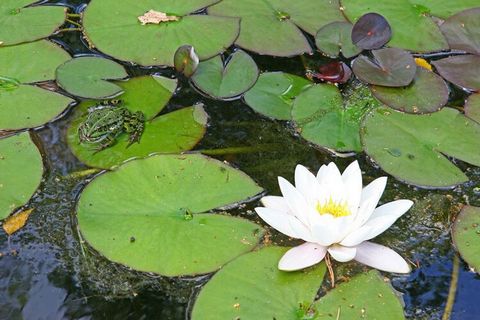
226,80
274,92
466,236
186,60
334,38
87,77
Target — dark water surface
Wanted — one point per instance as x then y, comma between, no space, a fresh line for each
47,273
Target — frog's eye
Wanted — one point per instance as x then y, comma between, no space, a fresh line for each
115,101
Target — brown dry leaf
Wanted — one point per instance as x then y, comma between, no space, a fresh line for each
156,17
14,223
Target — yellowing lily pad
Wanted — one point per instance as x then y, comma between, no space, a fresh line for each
114,28
224,80
274,92
466,236
413,148
365,296
22,103
21,170
20,22
87,77
16,222
148,214
273,27
412,29
252,287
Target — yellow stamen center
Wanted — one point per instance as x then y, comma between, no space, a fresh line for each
336,209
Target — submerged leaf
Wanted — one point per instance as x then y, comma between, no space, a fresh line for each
14,223
156,17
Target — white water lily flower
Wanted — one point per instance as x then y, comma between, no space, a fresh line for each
333,213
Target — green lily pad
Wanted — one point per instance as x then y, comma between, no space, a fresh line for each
113,27
20,23
226,80
365,296
427,93
274,92
87,77
252,287
147,214
148,94
21,170
463,31
472,107
413,148
444,8
321,118
272,27
466,236
22,103
464,71
336,37
390,67
411,29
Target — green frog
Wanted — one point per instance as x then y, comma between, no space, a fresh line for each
106,121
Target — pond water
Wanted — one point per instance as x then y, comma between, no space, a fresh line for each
47,273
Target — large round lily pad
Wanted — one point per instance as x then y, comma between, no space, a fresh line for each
87,77
22,23
365,296
334,38
274,92
21,170
412,29
463,31
443,8
114,28
252,287
148,214
322,118
170,133
390,67
413,148
466,235
414,98
22,104
224,80
472,107
464,71
273,27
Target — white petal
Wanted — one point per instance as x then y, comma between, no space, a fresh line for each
394,209
322,172
381,258
357,237
366,209
302,256
295,200
306,184
341,253
374,189
334,182
280,221
276,203
352,180
325,231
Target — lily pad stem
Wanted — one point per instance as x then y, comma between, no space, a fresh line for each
69,29
453,289
328,262
239,150
81,174
73,22
74,15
